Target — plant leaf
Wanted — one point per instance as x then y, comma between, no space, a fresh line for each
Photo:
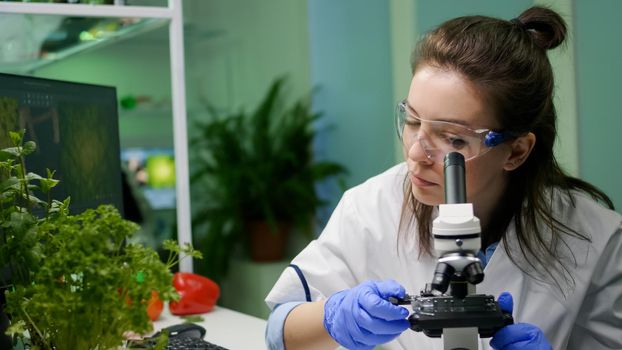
29,147
17,136
13,151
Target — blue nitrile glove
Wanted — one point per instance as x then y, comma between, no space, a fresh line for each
362,317
519,336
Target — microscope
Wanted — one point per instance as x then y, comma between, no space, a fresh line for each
450,307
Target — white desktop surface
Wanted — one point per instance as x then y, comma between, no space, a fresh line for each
230,329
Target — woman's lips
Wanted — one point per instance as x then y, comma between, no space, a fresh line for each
421,182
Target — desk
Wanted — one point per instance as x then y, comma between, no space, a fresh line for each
227,328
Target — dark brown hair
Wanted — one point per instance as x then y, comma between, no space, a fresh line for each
507,62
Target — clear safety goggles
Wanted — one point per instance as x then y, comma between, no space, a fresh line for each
437,137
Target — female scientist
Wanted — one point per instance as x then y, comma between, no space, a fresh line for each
482,87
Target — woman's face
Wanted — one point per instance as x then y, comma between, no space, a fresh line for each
444,95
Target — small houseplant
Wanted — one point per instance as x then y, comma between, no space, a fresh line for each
255,178
76,282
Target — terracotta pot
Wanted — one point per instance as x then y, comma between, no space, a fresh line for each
267,243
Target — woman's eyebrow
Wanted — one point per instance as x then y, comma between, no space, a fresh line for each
453,121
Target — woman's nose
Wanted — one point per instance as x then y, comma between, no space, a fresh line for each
417,151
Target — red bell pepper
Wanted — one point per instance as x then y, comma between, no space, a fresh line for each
198,294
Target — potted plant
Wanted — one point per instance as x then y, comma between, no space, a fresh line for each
254,180
76,282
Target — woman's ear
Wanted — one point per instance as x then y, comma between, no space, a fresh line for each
520,149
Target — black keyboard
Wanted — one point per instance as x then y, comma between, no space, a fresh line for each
184,336
183,343
177,343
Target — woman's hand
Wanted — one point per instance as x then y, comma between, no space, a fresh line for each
362,317
519,336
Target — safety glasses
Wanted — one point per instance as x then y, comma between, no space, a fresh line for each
437,138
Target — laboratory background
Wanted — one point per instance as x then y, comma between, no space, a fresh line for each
346,63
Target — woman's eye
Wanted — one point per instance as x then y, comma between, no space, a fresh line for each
456,143
412,122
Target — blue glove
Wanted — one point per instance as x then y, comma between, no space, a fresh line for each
361,317
519,336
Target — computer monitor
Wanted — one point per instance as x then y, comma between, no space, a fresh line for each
76,129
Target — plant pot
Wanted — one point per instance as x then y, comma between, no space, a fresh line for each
267,242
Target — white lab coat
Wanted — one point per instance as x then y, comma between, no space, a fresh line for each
360,243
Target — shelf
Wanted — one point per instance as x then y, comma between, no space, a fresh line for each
89,10
101,32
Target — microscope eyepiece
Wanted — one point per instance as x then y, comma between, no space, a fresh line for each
455,187
454,158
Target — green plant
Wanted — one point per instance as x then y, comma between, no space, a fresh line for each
76,283
254,167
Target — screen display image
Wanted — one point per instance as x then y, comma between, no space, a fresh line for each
75,127
152,170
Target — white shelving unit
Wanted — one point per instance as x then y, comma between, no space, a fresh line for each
172,13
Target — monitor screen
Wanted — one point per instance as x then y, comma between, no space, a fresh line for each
152,171
75,127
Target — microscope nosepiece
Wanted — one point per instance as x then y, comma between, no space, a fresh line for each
474,273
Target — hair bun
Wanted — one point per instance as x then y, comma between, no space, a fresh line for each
545,26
